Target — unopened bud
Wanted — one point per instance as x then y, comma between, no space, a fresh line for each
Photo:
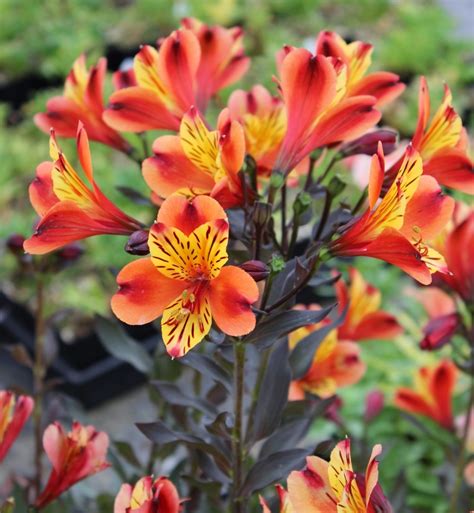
70,253
367,144
15,244
332,412
137,243
301,204
277,264
276,180
262,213
336,186
439,331
257,269
374,402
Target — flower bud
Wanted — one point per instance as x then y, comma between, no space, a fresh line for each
277,264
374,402
302,202
262,213
336,186
257,269
439,331
137,243
70,253
368,143
15,244
332,412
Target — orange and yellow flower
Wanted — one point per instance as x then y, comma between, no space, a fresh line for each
148,495
70,209
14,412
334,487
185,280
83,102
73,456
263,119
318,110
394,229
364,320
442,143
189,67
199,160
336,363
357,56
432,395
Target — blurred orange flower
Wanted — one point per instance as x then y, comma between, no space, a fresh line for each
73,456
148,495
14,412
432,394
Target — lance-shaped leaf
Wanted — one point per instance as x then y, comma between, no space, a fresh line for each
172,394
285,436
302,355
279,324
273,468
207,367
123,347
273,393
161,434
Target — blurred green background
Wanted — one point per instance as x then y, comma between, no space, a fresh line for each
40,40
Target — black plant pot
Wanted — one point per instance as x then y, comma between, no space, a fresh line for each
84,369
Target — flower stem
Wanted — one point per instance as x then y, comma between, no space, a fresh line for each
238,505
38,378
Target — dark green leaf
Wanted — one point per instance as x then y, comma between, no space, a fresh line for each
127,453
133,195
172,394
207,367
123,347
273,393
286,436
273,468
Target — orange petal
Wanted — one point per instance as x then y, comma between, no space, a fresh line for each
61,114
442,382
95,87
169,170
309,489
377,325
135,109
395,249
423,112
408,400
429,210
41,192
187,215
384,86
231,142
348,120
453,168
143,292
377,171
231,295
372,473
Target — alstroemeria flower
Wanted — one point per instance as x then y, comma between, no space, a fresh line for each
73,456
433,393
336,363
384,86
199,160
364,320
394,229
82,101
189,66
334,487
148,495
14,412
185,280
70,209
222,62
263,119
458,248
442,144
319,113
284,498
444,320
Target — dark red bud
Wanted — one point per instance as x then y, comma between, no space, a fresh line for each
137,244
332,411
15,244
70,253
368,143
258,270
374,402
439,331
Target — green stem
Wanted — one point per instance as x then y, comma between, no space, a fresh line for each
238,504
284,234
334,159
324,215
39,372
